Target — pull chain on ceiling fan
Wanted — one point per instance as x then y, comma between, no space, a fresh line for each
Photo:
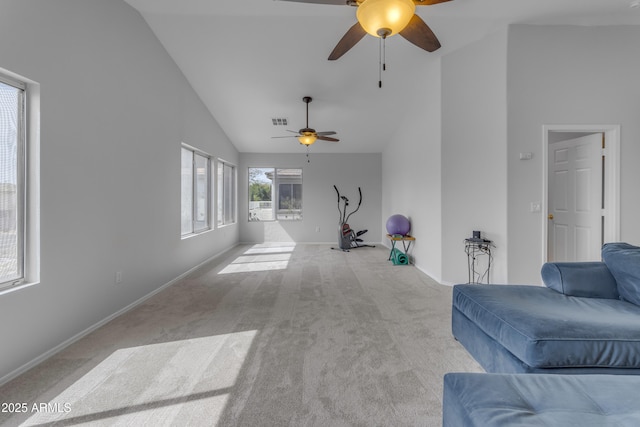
382,61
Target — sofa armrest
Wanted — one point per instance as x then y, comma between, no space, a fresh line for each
580,279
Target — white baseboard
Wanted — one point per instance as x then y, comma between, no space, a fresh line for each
58,348
422,269
312,243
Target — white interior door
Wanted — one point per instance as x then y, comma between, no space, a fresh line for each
575,199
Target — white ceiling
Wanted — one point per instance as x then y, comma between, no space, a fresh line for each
251,60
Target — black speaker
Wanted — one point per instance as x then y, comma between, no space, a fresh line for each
476,234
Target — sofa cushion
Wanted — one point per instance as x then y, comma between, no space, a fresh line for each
546,329
580,279
623,261
472,399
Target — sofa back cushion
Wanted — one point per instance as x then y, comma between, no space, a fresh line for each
623,260
580,279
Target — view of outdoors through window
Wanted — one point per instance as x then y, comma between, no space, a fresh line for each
10,170
275,194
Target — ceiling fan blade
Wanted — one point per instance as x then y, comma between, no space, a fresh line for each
327,138
419,33
330,132
419,2
349,40
288,136
335,2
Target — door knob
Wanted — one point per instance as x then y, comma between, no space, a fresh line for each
550,216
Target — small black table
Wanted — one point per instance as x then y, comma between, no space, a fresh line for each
474,249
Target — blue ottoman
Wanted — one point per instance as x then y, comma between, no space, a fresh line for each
491,400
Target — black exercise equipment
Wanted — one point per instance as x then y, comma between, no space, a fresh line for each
348,238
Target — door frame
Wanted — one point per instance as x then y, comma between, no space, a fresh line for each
611,179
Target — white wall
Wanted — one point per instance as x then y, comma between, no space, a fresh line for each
411,169
474,149
496,95
320,207
568,75
114,110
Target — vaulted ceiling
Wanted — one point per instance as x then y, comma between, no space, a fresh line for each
254,60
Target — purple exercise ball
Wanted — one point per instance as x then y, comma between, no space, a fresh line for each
398,224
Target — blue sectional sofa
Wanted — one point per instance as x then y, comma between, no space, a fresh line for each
495,400
532,339
586,320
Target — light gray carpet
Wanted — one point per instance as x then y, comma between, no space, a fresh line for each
272,335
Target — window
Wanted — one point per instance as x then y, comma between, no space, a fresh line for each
12,181
226,193
196,190
275,194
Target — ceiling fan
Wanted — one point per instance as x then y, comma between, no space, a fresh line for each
308,136
384,18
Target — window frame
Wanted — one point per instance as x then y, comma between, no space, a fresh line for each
194,192
277,213
22,182
221,220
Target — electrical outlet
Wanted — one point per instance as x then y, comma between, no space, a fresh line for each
118,277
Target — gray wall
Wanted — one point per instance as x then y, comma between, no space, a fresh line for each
474,150
496,95
568,75
411,170
114,110
445,167
320,209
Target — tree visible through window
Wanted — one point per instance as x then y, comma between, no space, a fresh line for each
282,186
12,177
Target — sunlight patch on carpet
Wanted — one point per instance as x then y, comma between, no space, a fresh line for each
261,257
271,248
171,383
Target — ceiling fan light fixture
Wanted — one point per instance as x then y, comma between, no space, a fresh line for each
383,18
307,139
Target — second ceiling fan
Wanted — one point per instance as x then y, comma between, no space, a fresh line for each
307,135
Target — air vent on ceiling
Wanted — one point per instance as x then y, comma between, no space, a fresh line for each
279,121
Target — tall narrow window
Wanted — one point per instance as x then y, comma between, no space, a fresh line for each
260,194
289,194
195,191
275,194
12,182
226,193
